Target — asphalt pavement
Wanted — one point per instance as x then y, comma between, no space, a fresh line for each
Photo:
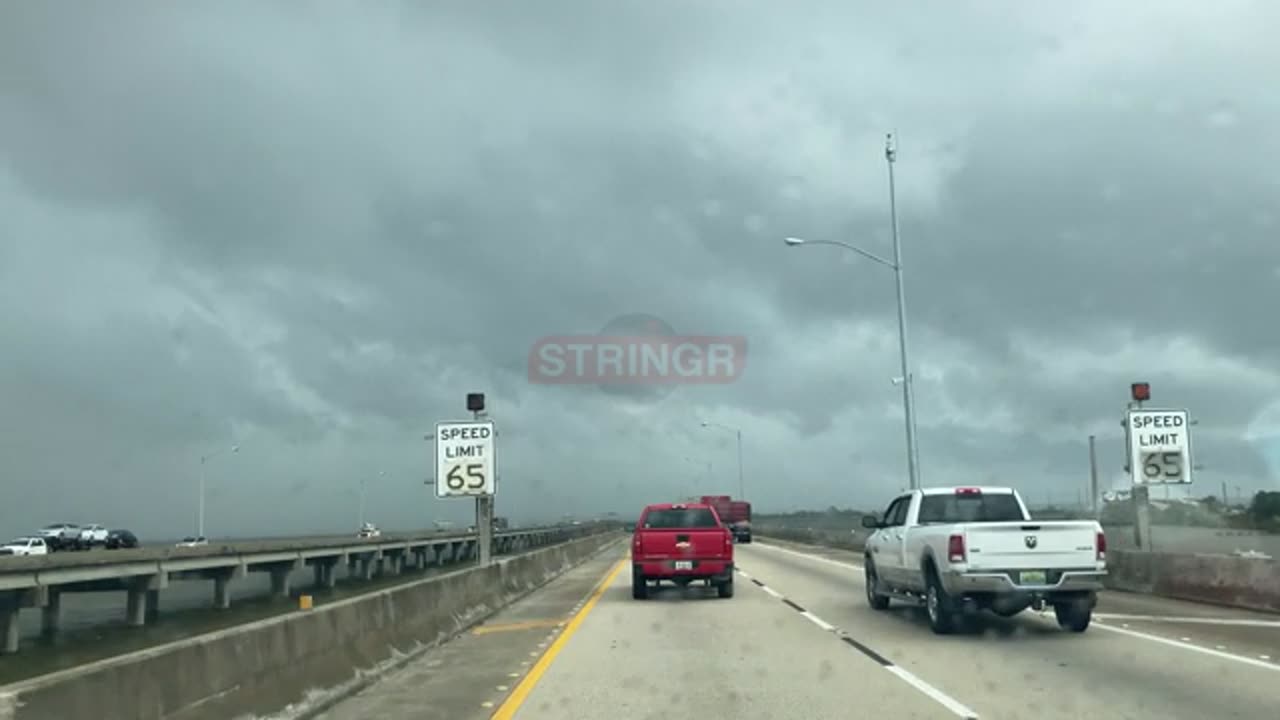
799,641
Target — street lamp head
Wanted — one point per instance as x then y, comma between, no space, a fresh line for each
793,241
705,423
235,448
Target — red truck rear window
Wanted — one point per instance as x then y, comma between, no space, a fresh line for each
677,519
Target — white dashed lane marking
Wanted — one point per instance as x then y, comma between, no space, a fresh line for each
950,703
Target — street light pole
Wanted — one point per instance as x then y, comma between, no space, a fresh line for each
200,512
742,493
908,382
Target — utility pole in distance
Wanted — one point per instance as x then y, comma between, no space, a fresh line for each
1093,477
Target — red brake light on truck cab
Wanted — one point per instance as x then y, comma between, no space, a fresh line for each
968,491
955,549
1102,545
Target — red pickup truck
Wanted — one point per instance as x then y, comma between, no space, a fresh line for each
680,543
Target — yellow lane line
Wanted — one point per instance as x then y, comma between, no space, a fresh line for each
509,627
526,686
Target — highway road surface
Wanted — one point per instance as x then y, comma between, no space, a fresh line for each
799,641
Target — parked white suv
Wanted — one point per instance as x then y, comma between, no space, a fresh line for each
91,535
60,536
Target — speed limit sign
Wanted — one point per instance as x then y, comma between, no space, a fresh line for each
1159,447
464,459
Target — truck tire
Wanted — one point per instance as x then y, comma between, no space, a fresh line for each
725,589
872,580
938,605
1073,616
639,586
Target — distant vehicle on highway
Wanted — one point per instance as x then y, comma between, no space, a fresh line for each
120,540
961,550
188,542
369,530
60,536
91,535
25,546
681,543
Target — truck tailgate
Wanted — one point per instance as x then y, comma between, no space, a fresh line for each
1031,545
663,544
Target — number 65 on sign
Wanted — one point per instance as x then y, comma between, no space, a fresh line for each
464,459
1159,447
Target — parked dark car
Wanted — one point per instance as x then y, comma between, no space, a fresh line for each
121,539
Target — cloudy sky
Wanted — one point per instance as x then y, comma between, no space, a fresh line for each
310,230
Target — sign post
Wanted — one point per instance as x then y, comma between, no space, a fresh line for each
1158,446
465,467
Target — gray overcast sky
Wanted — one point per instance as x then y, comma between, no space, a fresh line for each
311,230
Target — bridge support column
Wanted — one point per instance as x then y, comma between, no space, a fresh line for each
222,591
280,581
51,614
366,567
9,628
330,579
317,569
136,608
153,604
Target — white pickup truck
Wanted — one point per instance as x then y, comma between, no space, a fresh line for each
958,551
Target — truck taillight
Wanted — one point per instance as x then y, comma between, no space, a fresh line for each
1102,545
955,548
728,541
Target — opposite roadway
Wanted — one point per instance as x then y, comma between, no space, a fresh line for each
799,641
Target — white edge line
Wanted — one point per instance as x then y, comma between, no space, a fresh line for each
1188,646
819,621
743,573
771,591
1190,620
819,558
940,697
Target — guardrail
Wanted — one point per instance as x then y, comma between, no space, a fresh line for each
39,582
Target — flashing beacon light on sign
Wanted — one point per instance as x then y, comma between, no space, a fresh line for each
1140,391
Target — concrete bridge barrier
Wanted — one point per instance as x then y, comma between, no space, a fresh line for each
305,659
1240,582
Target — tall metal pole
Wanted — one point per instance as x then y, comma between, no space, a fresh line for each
484,519
742,492
200,511
1093,476
890,154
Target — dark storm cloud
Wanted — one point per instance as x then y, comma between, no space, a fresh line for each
313,232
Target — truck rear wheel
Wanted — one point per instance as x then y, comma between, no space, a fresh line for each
639,586
725,589
938,605
1073,616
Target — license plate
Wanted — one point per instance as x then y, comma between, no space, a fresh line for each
684,565
1032,577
